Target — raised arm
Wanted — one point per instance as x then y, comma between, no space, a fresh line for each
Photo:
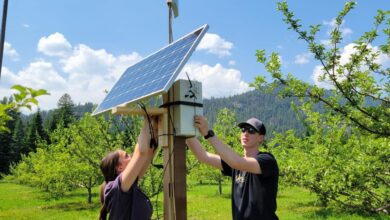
202,155
150,152
141,159
234,160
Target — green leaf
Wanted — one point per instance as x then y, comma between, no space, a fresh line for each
20,88
260,54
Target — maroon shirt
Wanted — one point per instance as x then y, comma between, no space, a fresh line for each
133,204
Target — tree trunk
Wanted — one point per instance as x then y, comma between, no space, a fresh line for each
220,187
89,191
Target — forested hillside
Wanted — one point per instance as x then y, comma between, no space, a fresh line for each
276,113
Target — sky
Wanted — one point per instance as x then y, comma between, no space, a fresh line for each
82,47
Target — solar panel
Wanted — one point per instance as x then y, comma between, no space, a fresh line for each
152,75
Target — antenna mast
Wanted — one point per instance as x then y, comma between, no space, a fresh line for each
172,7
3,26
175,193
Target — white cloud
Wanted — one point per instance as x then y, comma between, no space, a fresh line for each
217,81
346,53
26,25
11,52
214,44
346,31
87,61
85,73
282,62
54,45
317,77
383,59
91,72
302,58
38,75
82,72
345,57
327,43
232,62
332,24
8,78
348,50
41,74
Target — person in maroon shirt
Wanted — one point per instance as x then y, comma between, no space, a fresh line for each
119,194
254,175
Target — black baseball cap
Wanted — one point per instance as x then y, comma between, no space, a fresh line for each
255,123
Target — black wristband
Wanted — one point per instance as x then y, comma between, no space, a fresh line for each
209,134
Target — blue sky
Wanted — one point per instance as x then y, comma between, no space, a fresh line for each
82,47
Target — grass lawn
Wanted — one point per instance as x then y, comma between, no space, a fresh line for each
203,202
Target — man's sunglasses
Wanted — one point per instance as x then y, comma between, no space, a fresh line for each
248,129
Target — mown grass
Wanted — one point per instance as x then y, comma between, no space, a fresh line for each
23,202
203,202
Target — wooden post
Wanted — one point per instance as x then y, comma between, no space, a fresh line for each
180,183
175,189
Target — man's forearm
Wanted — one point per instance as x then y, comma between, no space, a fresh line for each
225,152
196,148
202,155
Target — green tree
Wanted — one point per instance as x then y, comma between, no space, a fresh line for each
344,159
36,132
89,140
9,114
64,114
6,138
340,165
72,158
66,106
18,145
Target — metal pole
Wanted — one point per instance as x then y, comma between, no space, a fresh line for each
170,38
3,26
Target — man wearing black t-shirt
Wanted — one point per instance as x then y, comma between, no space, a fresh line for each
254,176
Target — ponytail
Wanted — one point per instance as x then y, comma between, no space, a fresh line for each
103,210
108,168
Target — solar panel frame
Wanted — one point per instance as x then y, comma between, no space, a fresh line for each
163,85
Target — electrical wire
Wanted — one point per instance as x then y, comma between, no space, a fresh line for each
166,164
154,144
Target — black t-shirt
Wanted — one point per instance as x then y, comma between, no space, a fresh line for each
254,195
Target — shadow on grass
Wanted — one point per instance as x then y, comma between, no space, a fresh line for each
80,194
208,183
73,206
299,205
224,195
46,196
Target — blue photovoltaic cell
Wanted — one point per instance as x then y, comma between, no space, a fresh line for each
152,75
